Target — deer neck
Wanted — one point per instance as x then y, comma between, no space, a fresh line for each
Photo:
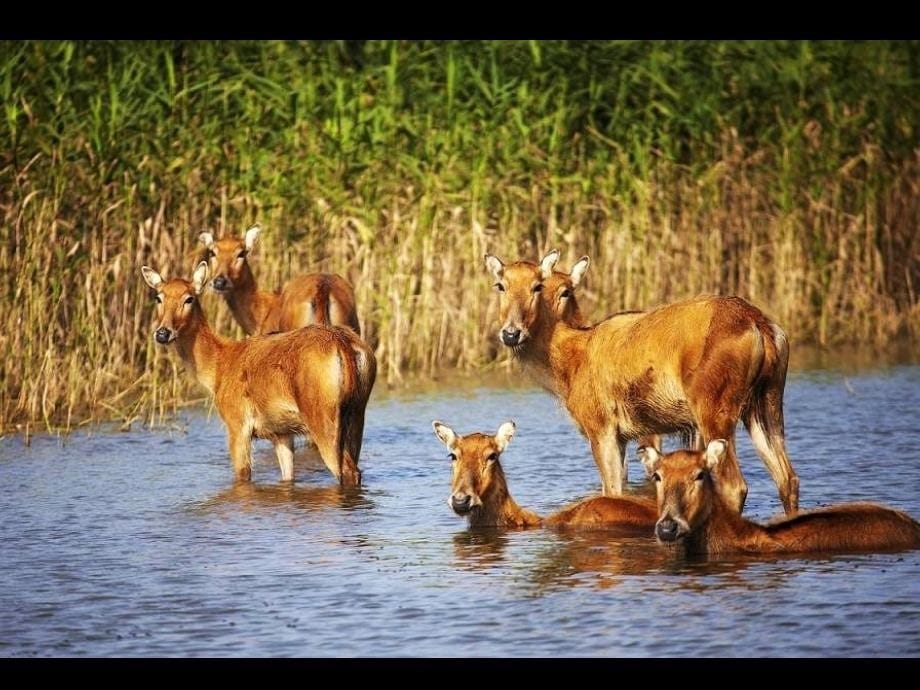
250,306
553,352
500,510
565,354
200,350
577,319
725,530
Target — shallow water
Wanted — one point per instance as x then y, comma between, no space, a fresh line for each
140,544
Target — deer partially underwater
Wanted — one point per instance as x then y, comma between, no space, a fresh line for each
693,511
479,490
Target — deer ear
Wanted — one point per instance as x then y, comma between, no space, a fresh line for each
715,452
207,239
579,269
200,276
151,277
548,263
504,435
650,458
445,433
495,266
249,239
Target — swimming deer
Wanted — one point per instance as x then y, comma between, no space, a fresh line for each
315,379
479,490
700,364
693,510
316,298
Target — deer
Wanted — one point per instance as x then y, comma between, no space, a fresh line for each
316,298
315,380
695,366
694,511
559,293
479,490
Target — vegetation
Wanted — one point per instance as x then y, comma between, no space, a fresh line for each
786,172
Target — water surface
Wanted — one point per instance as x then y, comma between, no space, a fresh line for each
137,544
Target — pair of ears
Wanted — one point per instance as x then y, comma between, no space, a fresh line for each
713,455
547,265
249,237
199,277
450,439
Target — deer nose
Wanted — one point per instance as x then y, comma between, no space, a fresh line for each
221,283
666,529
511,336
162,335
461,504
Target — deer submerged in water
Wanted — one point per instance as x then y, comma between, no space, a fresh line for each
693,511
479,490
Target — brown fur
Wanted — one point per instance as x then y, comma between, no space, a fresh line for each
314,380
559,292
690,495
561,298
317,298
478,475
701,363
604,512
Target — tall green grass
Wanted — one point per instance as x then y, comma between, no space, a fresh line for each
786,172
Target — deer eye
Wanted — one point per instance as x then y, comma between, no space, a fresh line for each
499,287
492,457
159,298
537,288
701,476
452,456
565,293
656,477
210,254
189,299
241,255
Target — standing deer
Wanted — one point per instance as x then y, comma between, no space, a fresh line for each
700,364
315,379
318,298
479,490
693,510
559,293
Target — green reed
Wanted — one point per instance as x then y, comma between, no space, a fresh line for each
786,172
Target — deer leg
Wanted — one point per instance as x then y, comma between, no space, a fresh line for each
326,438
713,421
284,451
650,441
610,455
353,438
768,438
240,443
731,482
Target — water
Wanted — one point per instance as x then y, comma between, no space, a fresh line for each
140,544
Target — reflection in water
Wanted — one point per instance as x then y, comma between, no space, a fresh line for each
252,496
479,549
598,559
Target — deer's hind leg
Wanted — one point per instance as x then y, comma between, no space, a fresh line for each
284,451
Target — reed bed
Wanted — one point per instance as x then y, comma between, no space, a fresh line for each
786,172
